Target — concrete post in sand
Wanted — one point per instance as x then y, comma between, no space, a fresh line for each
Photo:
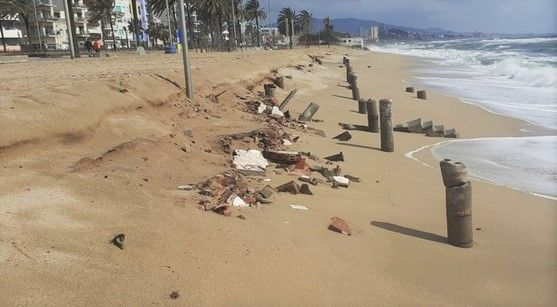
410,90
279,81
372,116
287,99
387,139
309,112
458,203
349,70
355,89
345,60
421,95
269,89
362,106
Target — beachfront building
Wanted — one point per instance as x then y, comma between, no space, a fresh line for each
12,35
374,34
353,42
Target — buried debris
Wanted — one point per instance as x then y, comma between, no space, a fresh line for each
282,157
339,225
353,127
215,98
174,295
427,128
341,181
118,240
289,187
298,207
345,136
308,179
224,210
249,160
304,189
336,158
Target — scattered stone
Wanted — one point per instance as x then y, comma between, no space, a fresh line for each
185,188
345,136
266,192
174,295
451,133
282,157
118,240
289,187
304,189
339,225
241,217
312,181
336,158
224,210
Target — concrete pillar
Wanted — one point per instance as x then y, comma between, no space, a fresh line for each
458,203
372,116
362,106
309,112
422,94
387,139
355,89
410,90
270,90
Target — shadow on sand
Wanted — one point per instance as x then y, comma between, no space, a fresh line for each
359,146
410,232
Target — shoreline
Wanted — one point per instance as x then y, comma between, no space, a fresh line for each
67,194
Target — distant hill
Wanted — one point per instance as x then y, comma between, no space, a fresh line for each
353,26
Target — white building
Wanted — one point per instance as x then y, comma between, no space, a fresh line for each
353,42
12,35
374,34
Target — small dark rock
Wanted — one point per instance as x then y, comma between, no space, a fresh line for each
119,240
174,295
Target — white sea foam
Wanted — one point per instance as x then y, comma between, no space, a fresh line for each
525,163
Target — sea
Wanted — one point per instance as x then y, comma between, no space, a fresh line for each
514,77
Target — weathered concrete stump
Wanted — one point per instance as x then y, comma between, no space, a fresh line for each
421,95
410,90
348,72
372,116
451,133
458,203
362,106
287,99
355,89
279,81
270,90
387,139
309,112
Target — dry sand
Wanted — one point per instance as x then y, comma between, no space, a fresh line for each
91,148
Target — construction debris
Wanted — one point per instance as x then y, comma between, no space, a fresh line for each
298,207
345,136
289,187
336,158
427,128
118,240
249,160
304,189
341,181
282,157
339,225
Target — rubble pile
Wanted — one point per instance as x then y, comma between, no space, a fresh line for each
427,128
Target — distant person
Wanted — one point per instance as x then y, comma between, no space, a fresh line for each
88,47
97,46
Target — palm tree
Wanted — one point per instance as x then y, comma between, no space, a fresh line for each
101,10
254,12
13,8
285,20
328,30
8,9
304,21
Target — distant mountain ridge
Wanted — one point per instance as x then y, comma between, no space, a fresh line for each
353,26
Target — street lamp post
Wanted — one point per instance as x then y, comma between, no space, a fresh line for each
69,27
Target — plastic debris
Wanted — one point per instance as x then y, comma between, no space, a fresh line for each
299,207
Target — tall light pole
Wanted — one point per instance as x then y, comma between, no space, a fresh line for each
69,26
185,51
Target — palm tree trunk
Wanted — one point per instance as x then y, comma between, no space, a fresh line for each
258,32
221,40
190,24
2,36
26,22
112,30
135,22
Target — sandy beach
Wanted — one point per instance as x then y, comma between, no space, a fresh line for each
95,147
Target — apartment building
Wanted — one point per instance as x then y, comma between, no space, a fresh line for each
12,35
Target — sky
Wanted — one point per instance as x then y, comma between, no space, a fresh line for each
491,16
